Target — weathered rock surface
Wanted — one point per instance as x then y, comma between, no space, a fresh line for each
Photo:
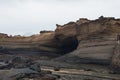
20,62
96,40
116,59
41,42
99,52
2,35
86,41
19,69
14,74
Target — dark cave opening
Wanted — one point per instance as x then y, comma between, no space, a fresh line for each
69,44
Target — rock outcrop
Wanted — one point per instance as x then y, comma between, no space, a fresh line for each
85,41
2,35
20,68
115,65
96,40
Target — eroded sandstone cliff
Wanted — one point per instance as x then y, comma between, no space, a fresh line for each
97,40
88,41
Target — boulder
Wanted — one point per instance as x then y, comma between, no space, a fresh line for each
20,62
4,65
36,67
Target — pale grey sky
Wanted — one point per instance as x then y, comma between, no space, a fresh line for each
32,16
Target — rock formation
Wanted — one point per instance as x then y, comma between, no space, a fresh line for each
2,35
19,69
96,41
115,65
84,41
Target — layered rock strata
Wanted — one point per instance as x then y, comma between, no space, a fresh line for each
88,41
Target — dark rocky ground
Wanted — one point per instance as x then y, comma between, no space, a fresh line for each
13,67
20,67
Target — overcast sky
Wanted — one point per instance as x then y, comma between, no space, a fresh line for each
31,16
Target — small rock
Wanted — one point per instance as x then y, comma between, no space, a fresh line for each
45,72
56,68
48,77
36,67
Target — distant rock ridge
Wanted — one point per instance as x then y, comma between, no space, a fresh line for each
44,31
2,35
